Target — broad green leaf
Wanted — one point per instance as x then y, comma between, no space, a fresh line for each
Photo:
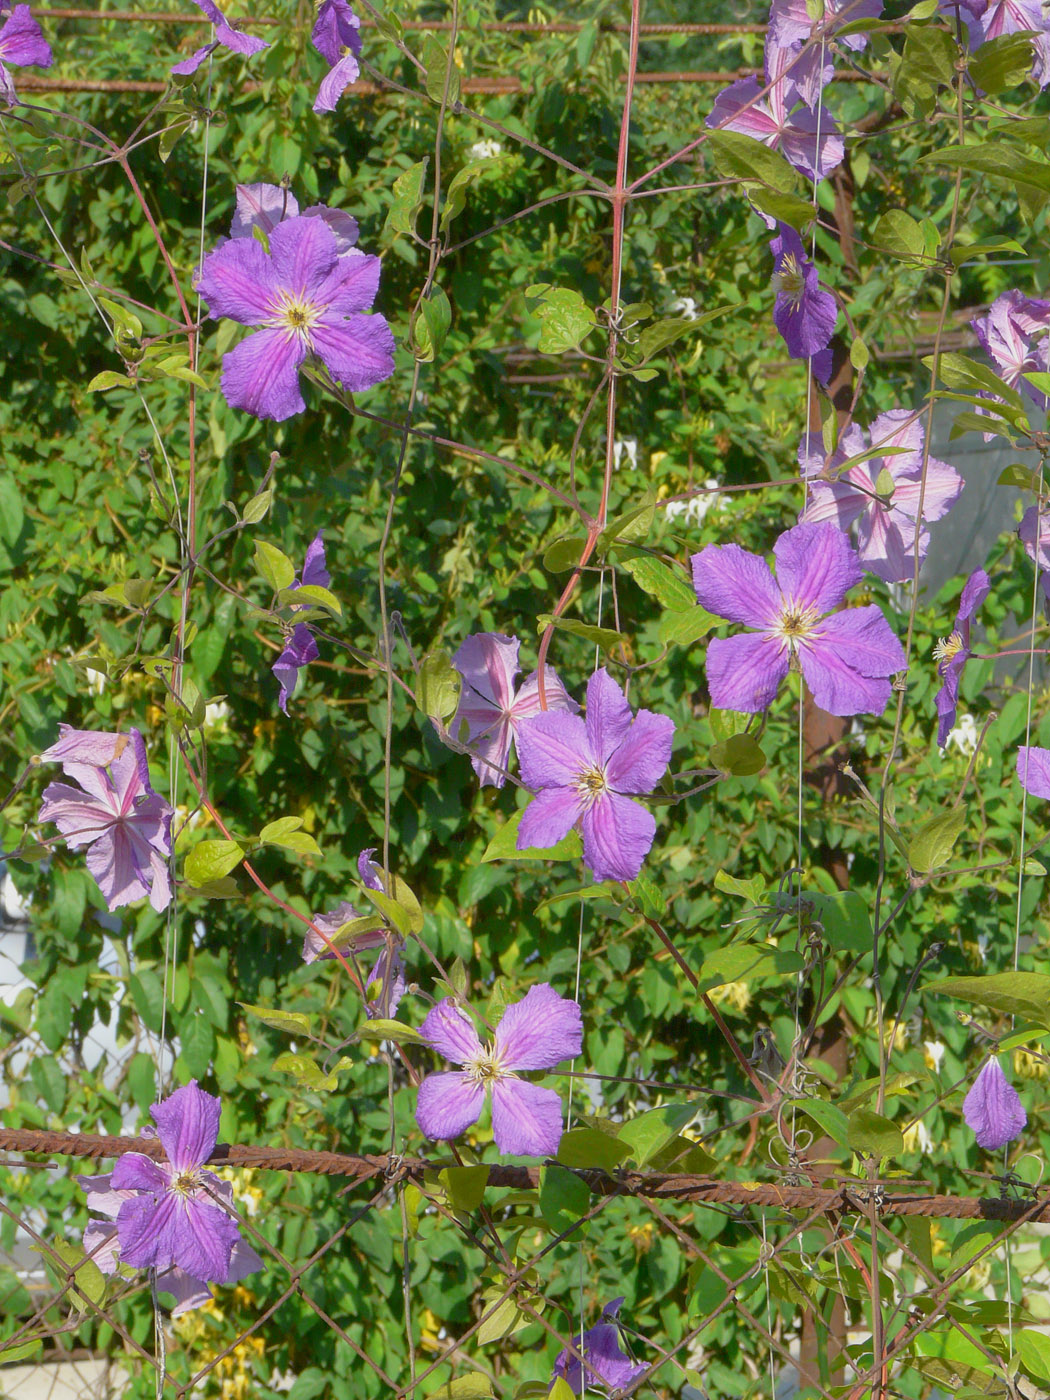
603,637
743,158
898,233
874,1135
565,318
682,628
782,205
438,686
994,157
1025,994
295,1022
1017,475
10,1355
563,555
564,1197
273,831
11,512
587,1147
147,994
629,528
742,961
396,1031
403,912
301,842
504,845
257,507
465,1186
1001,63
647,896
89,1282
828,1117
959,372
665,584
507,1318
310,595
647,1134
725,723
308,1074
608,889
1034,1350
442,77
845,918
110,379
407,199
196,1045
211,860
932,844
276,568
463,180
431,326
740,755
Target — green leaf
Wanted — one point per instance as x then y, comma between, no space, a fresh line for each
465,1186
663,333
647,896
564,1197
196,1045
431,326
295,1022
465,179
608,889
587,1147
564,554
1002,63
741,157
898,233
211,860
967,252
442,77
603,637
276,568
438,686
308,1074
932,844
1017,475
565,318
1025,994
110,379
1034,1350
11,512
650,1132
507,1318
10,1355
828,1117
663,583
147,994
742,961
89,1282
996,158
407,200
740,755
782,205
286,834
687,626
845,918
630,528
504,845
396,1031
959,372
874,1135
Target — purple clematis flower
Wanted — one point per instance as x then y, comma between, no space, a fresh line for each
336,37
225,36
845,657
608,1365
587,772
1033,770
114,812
536,1033
881,494
488,706
22,44
807,140
791,28
264,206
306,299
300,648
954,652
1015,334
804,312
992,1107
1036,519
385,984
102,1242
174,1216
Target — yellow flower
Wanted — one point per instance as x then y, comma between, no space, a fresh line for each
735,995
1029,1066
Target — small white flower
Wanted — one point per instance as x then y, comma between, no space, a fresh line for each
485,149
934,1054
684,307
963,736
216,713
96,680
625,447
694,510
15,909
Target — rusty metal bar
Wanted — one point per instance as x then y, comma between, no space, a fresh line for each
496,26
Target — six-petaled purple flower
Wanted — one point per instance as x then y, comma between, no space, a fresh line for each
489,706
336,37
1015,334
992,1108
954,651
114,812
586,773
385,984
538,1032
608,1367
804,313
300,648
882,493
264,206
845,657
792,28
1033,770
225,37
22,44
304,298
174,1215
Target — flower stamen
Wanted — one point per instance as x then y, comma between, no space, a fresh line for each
789,280
948,647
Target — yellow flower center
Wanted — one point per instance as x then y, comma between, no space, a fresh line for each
796,622
186,1182
948,647
790,280
591,784
488,1067
295,315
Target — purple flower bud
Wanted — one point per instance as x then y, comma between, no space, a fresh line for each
992,1108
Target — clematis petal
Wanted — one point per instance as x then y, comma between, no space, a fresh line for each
261,375
188,1125
488,663
303,254
358,352
189,66
839,501
816,565
553,750
95,747
237,281
618,834
202,1239
549,817
447,1104
134,1172
608,719
1033,770
315,574
540,1031
335,82
992,1108
847,667
352,283
263,206
739,107
642,758
336,28
22,42
865,637
745,672
111,863
526,1120
735,584
299,650
527,701
451,1032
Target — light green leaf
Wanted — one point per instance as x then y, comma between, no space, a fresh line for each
740,755
438,686
741,157
276,568
308,1074
932,844
257,507
407,200
898,233
1025,994
650,1132
1002,63
504,845
431,326
874,1135
89,1282
608,889
587,1147
507,1318
211,860
465,1186
295,1022
396,1031
565,318
564,554
463,180
442,77
742,961
603,637
310,595
827,1116
665,584
686,626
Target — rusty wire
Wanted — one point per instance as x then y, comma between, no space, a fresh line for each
848,1198
496,26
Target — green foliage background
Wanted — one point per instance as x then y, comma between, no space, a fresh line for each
87,491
